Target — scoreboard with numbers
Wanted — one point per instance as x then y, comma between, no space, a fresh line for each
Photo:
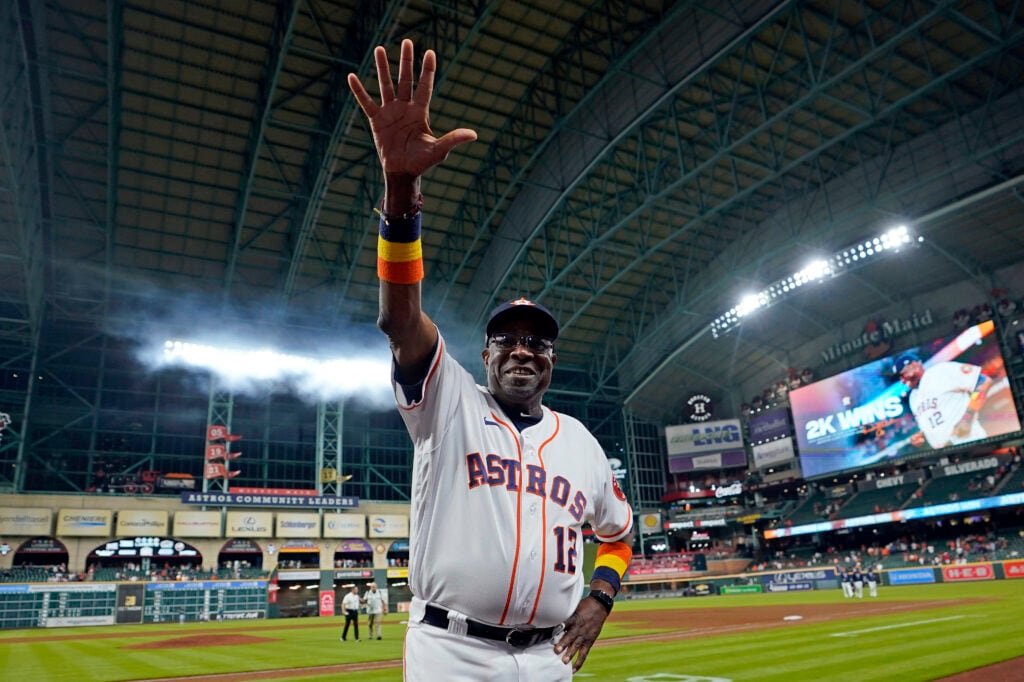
57,605
47,605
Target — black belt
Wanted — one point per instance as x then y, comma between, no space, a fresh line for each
519,636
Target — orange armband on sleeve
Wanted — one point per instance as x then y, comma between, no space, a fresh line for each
612,562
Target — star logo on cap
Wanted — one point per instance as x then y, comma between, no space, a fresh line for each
521,301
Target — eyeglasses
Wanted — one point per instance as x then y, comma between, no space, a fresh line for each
536,344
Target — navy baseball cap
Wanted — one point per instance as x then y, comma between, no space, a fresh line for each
546,323
902,361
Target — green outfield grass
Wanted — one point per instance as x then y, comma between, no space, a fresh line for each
905,646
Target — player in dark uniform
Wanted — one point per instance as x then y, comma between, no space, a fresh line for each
846,581
857,576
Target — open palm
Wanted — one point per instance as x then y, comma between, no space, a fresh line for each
401,122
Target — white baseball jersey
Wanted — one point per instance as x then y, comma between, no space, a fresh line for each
940,401
374,602
496,514
350,602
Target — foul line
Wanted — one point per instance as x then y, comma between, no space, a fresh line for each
854,633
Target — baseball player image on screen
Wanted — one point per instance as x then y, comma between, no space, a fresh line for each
945,399
501,485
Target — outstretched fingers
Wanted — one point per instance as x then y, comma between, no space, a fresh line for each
425,88
387,90
366,102
405,71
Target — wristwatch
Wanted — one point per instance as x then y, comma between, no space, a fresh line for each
603,599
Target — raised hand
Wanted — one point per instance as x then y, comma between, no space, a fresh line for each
401,122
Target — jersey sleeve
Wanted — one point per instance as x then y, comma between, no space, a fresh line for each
428,416
612,516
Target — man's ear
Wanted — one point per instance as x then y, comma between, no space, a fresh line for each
486,355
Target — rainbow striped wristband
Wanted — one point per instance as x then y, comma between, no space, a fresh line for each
400,250
612,562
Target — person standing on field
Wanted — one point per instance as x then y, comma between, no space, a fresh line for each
872,582
858,582
376,607
350,604
501,484
846,582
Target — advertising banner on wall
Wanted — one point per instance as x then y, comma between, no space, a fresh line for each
389,526
1013,569
298,525
344,525
197,524
718,436
84,522
678,464
141,522
891,481
270,500
768,425
250,524
968,572
970,466
650,523
326,602
25,521
797,581
775,452
911,576
354,546
711,445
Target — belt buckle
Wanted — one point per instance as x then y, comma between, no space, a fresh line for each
522,636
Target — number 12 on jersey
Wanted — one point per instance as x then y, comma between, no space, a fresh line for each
565,551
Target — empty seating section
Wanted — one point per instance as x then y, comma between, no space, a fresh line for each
948,489
885,499
24,574
1014,483
809,511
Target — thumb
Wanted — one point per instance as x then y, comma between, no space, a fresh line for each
453,139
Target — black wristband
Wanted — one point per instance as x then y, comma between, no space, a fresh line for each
603,599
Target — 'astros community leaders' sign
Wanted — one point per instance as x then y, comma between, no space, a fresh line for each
258,500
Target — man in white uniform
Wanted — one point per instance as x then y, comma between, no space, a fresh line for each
350,605
376,607
501,485
945,399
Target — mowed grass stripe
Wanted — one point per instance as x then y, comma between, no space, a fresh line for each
783,659
794,651
806,652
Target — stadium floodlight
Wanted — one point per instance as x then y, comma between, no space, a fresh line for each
750,303
854,255
326,378
817,270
